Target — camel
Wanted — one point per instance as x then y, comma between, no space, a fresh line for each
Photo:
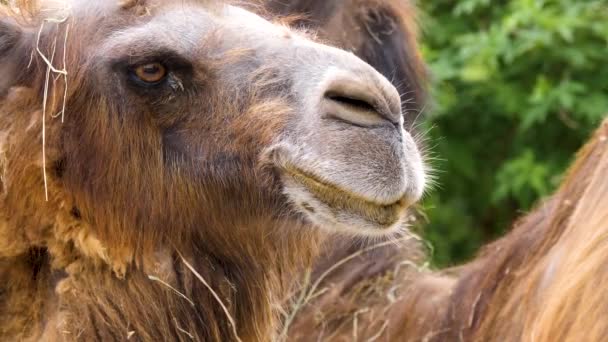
140,203
543,281
167,168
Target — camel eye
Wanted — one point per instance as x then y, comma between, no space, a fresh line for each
151,73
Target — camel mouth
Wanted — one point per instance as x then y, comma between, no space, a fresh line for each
340,202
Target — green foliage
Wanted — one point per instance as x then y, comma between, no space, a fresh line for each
519,86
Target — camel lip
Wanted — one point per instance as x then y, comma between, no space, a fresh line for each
340,201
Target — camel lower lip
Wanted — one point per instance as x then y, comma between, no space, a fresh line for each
341,201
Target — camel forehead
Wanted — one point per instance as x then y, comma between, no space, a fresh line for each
192,16
184,16
181,28
181,25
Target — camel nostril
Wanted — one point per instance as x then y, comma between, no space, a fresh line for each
357,109
348,101
361,101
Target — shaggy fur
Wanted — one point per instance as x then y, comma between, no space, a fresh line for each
543,281
108,230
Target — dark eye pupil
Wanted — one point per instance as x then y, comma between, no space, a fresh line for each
151,69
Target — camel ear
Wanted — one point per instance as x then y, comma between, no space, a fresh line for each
13,54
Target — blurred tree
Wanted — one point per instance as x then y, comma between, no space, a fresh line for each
519,85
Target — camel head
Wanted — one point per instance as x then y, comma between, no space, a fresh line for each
168,118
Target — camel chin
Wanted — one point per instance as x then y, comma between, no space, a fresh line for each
337,210
377,206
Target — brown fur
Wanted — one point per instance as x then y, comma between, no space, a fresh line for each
104,258
542,282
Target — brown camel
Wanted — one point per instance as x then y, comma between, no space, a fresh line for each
168,167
